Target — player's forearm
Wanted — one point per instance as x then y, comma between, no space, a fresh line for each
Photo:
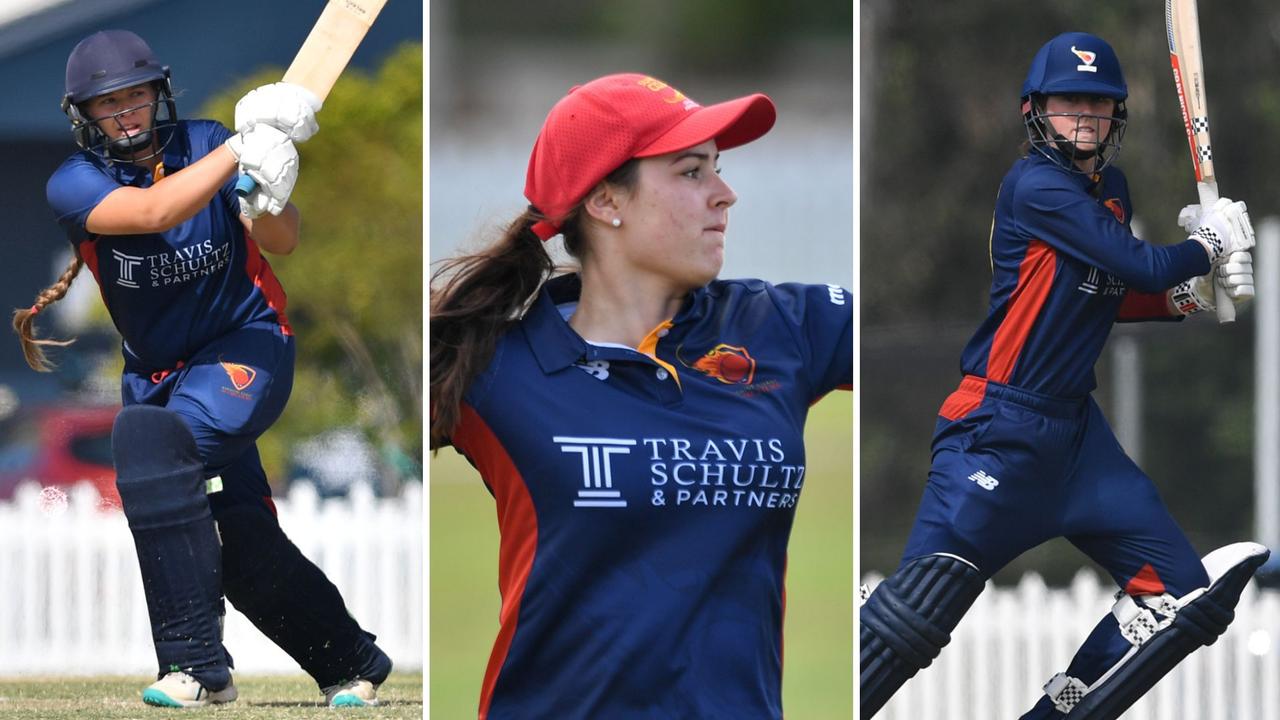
276,234
173,200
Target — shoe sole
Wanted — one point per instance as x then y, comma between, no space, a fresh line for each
159,699
352,701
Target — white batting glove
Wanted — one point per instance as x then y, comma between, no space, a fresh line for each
1189,218
1196,294
269,157
286,107
1236,275
1224,229
1193,296
258,203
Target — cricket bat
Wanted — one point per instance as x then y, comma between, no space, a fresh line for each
326,52
1183,25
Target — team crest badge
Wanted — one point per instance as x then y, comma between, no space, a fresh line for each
1087,58
1113,204
241,376
729,364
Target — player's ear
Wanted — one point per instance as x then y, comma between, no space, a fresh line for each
603,203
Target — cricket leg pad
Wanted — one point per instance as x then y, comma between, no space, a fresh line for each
1162,630
907,621
160,477
291,601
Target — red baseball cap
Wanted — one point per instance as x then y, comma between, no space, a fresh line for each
599,126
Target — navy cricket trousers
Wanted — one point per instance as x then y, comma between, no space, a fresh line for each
1012,469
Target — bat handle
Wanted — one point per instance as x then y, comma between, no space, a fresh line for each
1226,308
1208,190
245,185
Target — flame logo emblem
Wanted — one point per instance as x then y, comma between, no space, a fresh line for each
1087,58
730,364
242,376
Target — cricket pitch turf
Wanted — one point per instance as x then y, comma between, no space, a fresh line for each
262,697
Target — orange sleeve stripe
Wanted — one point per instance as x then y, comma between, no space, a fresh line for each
517,526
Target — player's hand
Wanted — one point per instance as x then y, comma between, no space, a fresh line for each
258,203
1235,273
1196,294
286,107
1224,229
1189,218
269,157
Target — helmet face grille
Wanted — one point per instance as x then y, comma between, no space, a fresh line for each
89,135
1063,152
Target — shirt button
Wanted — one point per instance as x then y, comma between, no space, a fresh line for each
663,332
662,374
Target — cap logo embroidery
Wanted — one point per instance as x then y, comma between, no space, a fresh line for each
1087,58
656,85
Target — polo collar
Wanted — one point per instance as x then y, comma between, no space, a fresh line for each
555,345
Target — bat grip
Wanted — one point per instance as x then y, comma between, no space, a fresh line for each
1226,308
1208,190
245,185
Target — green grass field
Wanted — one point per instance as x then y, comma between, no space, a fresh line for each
818,666
262,697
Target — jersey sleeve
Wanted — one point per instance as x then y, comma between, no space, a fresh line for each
1050,206
214,135
1140,306
821,317
74,190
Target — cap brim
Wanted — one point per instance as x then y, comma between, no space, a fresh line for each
1083,87
730,124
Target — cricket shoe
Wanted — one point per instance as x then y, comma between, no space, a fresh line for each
180,690
356,693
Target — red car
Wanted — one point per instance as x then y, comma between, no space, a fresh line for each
59,445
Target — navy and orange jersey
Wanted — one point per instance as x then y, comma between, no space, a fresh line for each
1065,268
169,293
645,497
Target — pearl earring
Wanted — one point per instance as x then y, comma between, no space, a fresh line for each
617,222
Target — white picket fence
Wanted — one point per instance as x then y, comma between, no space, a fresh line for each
71,597
1014,639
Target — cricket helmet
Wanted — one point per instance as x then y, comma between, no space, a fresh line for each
105,62
1074,63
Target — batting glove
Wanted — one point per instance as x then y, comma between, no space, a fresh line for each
1196,294
1189,218
269,157
286,107
1224,229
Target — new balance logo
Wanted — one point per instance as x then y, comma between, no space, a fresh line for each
597,472
985,481
598,369
836,294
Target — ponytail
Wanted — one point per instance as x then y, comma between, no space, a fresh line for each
478,297
482,294
24,319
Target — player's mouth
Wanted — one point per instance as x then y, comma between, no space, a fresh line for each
715,228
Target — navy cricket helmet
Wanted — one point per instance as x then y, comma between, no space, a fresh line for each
103,63
1074,63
